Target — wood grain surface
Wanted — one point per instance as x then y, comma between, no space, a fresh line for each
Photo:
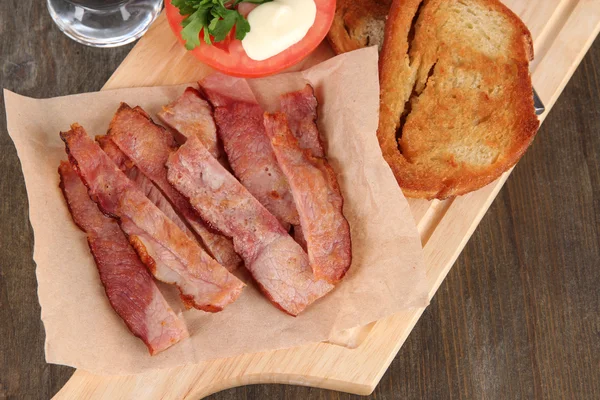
517,317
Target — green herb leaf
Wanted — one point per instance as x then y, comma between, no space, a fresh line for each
184,7
214,18
192,25
251,1
213,23
241,27
206,37
222,29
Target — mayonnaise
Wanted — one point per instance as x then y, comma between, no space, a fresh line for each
277,25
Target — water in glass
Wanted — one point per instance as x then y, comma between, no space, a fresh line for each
104,23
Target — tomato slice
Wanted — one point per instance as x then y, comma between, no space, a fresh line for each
229,56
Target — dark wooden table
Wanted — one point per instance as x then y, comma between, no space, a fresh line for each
517,317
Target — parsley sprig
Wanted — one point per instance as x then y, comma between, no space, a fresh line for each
214,18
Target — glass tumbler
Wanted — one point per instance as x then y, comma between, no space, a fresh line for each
104,23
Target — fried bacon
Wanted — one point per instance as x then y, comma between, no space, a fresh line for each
142,182
318,201
148,146
129,287
300,108
240,121
166,250
276,261
191,115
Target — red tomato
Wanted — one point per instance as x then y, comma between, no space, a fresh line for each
229,56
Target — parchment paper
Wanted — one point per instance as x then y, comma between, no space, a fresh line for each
387,273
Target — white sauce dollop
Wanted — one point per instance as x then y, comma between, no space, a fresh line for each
277,25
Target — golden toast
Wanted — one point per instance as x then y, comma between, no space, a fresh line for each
456,96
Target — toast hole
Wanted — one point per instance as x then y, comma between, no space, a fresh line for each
399,136
480,121
413,28
429,75
347,29
408,106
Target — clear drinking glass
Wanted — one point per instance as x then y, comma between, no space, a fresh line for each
104,23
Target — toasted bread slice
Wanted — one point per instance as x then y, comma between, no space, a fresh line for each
358,24
456,96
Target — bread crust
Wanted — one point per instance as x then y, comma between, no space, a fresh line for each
354,22
459,93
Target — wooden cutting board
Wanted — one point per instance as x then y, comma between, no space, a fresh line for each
563,31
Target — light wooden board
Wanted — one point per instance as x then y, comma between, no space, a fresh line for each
355,360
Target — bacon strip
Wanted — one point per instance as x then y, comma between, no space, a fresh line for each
156,196
129,287
276,261
168,253
148,145
191,115
143,183
318,201
300,108
240,121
